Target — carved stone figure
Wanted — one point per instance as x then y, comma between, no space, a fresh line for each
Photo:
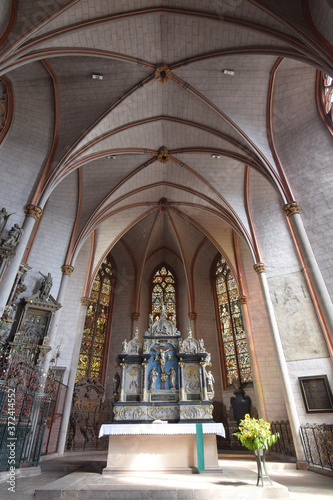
201,346
4,216
172,375
210,382
46,286
124,346
153,378
14,237
116,383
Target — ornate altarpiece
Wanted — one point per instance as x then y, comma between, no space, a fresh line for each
163,378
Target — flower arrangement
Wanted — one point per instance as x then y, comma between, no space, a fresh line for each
255,434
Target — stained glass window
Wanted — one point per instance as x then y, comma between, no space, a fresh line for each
235,349
92,353
164,292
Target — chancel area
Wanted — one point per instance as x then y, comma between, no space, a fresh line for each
165,226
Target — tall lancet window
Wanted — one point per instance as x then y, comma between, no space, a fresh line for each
235,349
164,292
93,345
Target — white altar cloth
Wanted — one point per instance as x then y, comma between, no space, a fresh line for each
160,429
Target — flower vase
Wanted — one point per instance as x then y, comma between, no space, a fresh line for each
261,466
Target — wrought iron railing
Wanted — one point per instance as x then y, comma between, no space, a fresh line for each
318,445
285,443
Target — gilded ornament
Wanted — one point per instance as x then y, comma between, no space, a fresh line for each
291,209
192,315
163,155
259,268
67,270
163,73
33,211
135,316
85,301
242,299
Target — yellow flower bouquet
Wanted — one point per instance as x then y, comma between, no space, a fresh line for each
255,434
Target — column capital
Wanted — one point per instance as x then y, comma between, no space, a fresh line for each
242,299
135,316
67,270
192,315
85,301
259,267
291,209
33,211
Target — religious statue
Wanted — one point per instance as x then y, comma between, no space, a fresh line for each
45,288
172,375
116,383
4,216
153,378
162,360
14,237
201,346
150,320
210,382
124,346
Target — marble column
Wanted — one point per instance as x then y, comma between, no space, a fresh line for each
33,213
282,364
85,301
122,383
292,211
135,322
192,317
181,378
253,359
145,383
204,381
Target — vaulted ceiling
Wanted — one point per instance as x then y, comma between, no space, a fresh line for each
108,132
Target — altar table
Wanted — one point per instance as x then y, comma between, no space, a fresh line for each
160,447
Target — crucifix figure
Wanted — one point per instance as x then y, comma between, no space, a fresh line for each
160,356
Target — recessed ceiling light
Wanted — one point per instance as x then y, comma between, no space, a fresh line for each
95,76
230,72
214,155
111,157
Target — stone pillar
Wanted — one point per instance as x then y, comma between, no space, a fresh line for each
122,383
33,213
281,360
253,359
192,317
181,379
292,211
135,321
145,383
85,301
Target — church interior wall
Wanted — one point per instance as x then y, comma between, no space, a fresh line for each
5,10
304,145
121,323
49,248
206,325
70,311
264,350
29,139
271,227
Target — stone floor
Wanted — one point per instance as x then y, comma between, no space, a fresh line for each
78,476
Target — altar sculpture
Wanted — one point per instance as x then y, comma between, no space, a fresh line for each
164,377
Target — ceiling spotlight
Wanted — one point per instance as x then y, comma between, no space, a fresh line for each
111,157
214,155
95,76
228,72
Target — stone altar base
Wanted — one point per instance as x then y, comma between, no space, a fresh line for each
236,483
166,453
